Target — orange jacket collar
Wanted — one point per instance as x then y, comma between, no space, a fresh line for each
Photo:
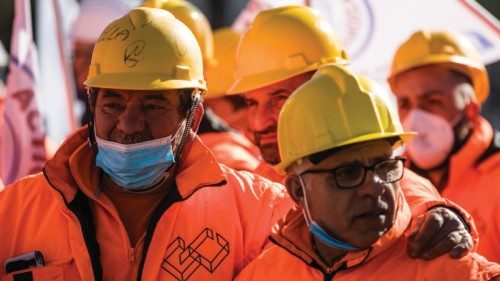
466,158
293,235
73,166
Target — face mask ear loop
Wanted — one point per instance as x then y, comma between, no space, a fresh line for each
305,210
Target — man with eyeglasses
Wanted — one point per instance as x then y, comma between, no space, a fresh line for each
352,220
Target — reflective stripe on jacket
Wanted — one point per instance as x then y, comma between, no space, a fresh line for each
291,257
214,222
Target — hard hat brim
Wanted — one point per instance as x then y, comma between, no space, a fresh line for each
283,166
135,81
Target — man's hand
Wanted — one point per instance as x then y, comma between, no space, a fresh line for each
437,232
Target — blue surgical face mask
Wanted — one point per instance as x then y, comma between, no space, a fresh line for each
135,166
319,232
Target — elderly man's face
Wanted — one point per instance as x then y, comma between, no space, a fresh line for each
264,105
127,116
359,215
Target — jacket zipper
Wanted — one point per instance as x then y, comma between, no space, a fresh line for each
168,201
80,207
328,276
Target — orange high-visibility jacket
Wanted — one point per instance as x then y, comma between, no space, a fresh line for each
214,222
232,149
473,183
269,172
291,256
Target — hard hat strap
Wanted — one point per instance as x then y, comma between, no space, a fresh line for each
92,98
197,100
305,210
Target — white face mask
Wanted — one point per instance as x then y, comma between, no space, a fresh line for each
434,141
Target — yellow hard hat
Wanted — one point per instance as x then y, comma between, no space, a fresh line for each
284,42
442,47
221,76
333,109
147,49
153,3
194,19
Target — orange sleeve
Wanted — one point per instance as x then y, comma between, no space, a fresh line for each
265,170
422,196
262,204
229,149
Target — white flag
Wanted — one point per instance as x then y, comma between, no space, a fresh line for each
57,90
22,149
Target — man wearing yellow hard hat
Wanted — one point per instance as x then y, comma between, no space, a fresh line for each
440,83
136,195
229,146
279,52
351,218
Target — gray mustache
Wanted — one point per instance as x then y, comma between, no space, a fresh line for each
120,137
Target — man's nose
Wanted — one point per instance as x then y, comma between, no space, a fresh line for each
131,120
261,119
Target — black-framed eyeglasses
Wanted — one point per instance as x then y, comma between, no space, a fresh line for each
353,175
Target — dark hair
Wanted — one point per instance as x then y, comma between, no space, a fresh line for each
92,98
237,101
186,101
317,157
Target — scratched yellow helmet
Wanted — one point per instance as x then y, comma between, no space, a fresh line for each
147,49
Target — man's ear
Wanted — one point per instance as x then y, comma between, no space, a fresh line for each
294,188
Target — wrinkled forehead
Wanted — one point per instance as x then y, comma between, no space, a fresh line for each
288,85
364,152
424,79
141,94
